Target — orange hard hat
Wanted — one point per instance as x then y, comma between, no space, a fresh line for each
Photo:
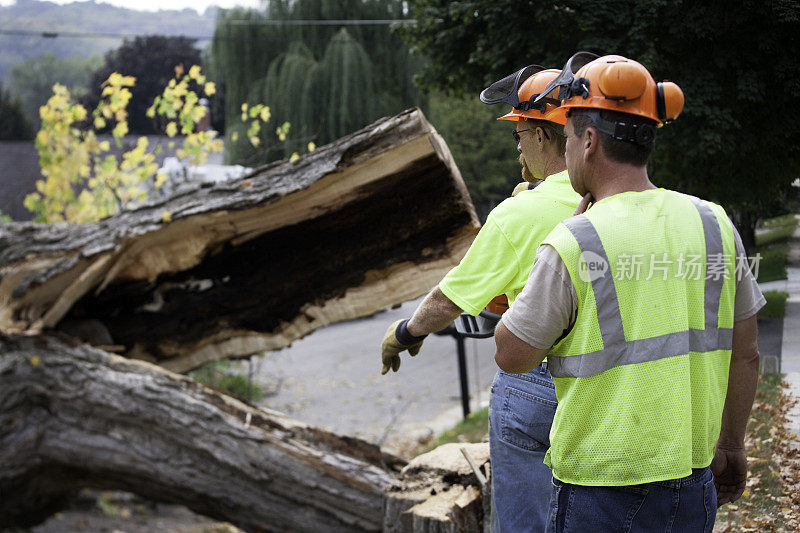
520,89
529,91
614,83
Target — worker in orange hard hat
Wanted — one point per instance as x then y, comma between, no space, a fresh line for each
523,108
655,364
497,263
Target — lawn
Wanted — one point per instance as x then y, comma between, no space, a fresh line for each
775,306
772,235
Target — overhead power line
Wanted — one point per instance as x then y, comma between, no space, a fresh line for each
316,22
47,34
53,34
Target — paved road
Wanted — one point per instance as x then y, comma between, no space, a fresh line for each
332,379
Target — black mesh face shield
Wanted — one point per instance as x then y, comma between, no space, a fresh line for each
567,83
507,90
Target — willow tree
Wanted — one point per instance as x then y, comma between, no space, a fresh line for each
326,80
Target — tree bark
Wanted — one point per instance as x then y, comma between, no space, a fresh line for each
234,269
72,416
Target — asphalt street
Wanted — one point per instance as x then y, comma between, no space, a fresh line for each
332,379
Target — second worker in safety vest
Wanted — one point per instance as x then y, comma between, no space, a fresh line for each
498,262
649,327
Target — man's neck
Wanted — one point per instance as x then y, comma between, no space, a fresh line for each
554,166
615,179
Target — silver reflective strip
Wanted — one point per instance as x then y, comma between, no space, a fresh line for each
713,238
616,350
641,351
605,293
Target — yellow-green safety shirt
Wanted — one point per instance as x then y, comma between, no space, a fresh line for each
501,256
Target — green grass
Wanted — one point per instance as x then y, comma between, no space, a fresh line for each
772,265
220,375
473,429
783,220
772,246
776,305
778,234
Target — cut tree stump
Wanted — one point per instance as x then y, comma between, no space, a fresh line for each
73,416
439,492
249,265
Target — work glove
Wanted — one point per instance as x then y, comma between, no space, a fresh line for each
397,339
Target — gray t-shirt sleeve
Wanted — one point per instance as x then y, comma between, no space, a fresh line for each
749,298
548,304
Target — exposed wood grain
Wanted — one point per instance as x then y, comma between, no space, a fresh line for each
369,221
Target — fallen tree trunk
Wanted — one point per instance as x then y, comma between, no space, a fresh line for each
73,416
234,269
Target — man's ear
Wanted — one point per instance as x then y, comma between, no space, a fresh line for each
591,142
540,137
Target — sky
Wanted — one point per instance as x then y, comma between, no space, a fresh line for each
155,5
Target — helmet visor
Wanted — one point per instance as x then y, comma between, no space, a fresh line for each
505,90
574,64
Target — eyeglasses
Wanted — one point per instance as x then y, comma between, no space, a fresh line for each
516,133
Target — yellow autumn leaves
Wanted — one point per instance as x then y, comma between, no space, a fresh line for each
83,182
183,110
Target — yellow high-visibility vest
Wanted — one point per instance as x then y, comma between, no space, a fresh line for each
641,378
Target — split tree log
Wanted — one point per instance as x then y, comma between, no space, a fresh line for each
439,492
230,270
72,416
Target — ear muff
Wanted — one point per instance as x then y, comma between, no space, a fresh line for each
622,80
669,101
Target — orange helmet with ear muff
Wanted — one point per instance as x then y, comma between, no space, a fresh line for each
615,83
529,91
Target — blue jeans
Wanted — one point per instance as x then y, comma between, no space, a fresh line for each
681,505
520,415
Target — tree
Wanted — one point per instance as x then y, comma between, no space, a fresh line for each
33,80
151,60
326,80
734,143
83,182
13,125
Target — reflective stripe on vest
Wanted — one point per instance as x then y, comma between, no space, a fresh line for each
616,350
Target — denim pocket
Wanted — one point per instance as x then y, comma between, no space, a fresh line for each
526,420
606,508
552,513
710,503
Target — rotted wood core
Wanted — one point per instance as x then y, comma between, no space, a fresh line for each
266,282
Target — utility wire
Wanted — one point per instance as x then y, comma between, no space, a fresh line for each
316,22
51,34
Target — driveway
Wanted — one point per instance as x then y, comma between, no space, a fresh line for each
332,379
